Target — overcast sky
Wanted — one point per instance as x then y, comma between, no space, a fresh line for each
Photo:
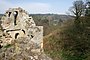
37,6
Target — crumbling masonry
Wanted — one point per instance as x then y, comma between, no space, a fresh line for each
17,23
19,28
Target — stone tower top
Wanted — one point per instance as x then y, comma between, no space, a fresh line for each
17,23
16,18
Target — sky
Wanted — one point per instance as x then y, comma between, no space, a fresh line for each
38,6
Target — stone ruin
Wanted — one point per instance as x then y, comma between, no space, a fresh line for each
20,38
17,23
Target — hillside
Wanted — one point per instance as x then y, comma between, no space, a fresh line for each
49,16
69,42
54,40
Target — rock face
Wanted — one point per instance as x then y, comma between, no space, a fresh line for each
20,38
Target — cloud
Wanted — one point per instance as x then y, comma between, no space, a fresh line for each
37,7
33,7
3,6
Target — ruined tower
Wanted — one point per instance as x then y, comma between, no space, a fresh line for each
19,28
17,23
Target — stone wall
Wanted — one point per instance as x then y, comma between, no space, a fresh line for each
20,38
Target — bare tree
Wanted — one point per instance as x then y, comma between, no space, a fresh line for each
77,9
87,11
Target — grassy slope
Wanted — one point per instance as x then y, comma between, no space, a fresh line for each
52,41
69,42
